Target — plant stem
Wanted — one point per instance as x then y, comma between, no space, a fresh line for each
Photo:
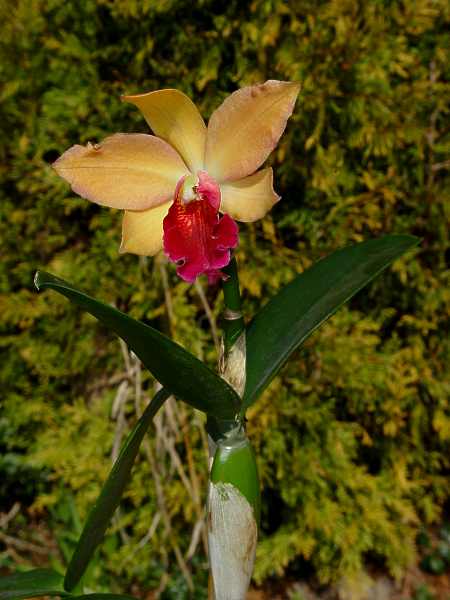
232,354
233,497
233,320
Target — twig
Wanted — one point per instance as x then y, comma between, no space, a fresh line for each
5,518
162,584
137,383
143,541
442,165
8,540
118,412
195,537
18,560
196,494
170,410
167,294
166,519
176,461
107,382
126,357
120,397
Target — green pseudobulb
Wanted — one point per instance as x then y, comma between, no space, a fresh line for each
234,463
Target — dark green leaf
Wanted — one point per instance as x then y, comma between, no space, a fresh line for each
186,376
313,296
423,539
433,563
445,532
31,584
444,551
109,497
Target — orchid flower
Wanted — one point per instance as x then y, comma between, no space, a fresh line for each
174,185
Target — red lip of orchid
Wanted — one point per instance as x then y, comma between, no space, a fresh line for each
173,185
195,237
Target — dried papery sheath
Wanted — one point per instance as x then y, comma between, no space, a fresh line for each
233,513
232,536
232,366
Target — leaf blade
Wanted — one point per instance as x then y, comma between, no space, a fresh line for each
31,584
187,377
112,490
289,318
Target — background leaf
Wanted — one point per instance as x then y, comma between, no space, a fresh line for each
187,377
38,582
299,308
109,497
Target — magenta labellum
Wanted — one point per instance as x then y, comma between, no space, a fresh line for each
196,237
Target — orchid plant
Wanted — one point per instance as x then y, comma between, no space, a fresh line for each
182,191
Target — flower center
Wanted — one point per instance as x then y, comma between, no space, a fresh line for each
189,189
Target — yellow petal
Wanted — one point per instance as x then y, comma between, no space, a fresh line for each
174,117
249,199
142,231
131,171
246,127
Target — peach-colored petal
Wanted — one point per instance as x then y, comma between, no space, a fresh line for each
131,171
246,127
142,231
249,199
174,117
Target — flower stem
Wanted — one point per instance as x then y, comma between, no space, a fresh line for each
233,320
233,496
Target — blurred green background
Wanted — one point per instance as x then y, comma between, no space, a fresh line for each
353,437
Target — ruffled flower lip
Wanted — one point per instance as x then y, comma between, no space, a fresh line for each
196,238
